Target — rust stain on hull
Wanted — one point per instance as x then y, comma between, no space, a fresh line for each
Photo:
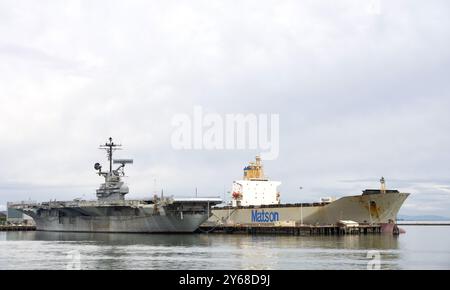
373,209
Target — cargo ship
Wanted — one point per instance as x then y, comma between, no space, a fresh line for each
257,201
111,212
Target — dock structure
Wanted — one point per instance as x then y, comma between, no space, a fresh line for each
16,228
297,230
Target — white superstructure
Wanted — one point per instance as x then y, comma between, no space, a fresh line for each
255,189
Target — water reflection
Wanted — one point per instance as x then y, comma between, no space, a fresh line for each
112,239
238,241
49,250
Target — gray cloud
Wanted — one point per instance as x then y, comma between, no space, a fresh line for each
360,94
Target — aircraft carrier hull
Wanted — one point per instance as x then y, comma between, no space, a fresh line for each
122,224
367,209
119,217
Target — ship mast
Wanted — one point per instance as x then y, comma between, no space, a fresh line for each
383,185
110,148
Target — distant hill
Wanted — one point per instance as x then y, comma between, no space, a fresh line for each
422,218
3,213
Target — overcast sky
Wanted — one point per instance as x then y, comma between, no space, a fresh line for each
361,87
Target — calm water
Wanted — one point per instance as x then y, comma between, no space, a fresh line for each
422,247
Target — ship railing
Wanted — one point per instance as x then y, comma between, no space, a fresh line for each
91,203
75,203
94,203
21,204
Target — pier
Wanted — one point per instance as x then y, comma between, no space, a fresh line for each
423,223
16,228
297,230
304,230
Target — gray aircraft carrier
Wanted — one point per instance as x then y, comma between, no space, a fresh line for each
111,212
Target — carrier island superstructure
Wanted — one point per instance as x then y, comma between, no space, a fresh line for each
111,212
256,201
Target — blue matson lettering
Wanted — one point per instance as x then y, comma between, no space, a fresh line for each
264,216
